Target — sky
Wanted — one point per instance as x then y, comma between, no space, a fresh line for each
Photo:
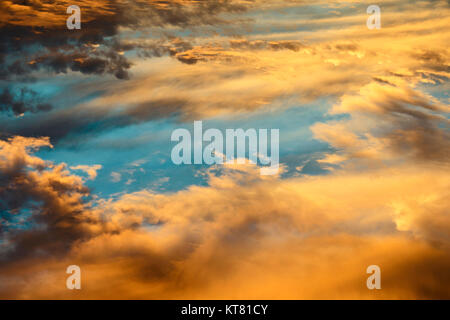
87,179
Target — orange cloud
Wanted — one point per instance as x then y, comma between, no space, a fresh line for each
389,123
244,236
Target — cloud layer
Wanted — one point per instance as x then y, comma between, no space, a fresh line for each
222,240
382,196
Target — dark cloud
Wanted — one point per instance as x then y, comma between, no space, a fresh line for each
47,200
411,126
347,47
81,122
185,52
86,63
34,37
52,46
172,46
434,60
41,44
418,125
22,101
262,44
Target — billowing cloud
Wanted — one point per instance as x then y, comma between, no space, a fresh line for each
242,230
42,204
389,122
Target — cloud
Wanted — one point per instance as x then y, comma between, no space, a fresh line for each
46,198
24,100
116,176
243,230
389,123
26,27
229,74
239,235
90,170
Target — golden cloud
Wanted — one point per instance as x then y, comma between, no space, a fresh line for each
244,236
